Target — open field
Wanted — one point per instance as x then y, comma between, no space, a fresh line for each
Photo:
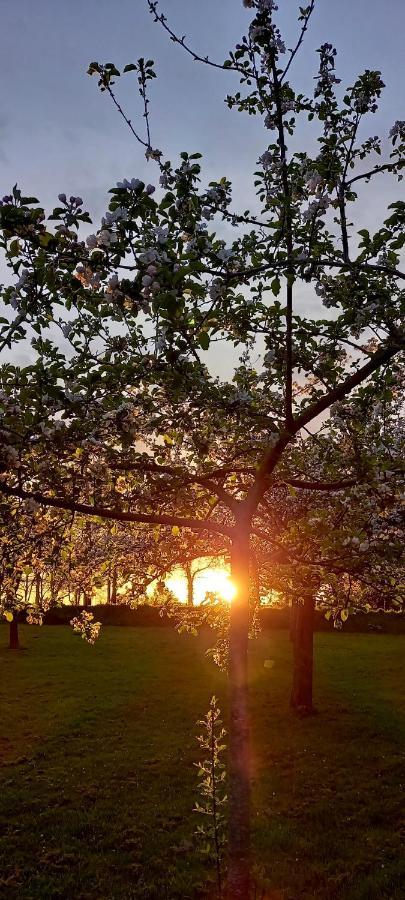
97,782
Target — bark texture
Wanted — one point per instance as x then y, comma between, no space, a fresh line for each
14,643
303,652
294,609
239,741
190,584
113,596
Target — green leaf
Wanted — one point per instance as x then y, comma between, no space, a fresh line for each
276,286
14,248
45,239
204,340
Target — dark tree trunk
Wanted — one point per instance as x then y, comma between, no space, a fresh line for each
294,610
190,585
14,643
255,580
38,591
113,594
239,739
303,652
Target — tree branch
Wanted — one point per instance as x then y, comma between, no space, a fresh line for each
300,40
381,356
161,18
386,167
116,514
321,485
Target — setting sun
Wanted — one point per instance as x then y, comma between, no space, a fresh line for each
214,580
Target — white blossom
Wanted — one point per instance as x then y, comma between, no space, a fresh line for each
314,182
22,279
132,185
148,256
153,154
113,282
398,130
161,234
11,455
224,254
105,238
216,288
315,207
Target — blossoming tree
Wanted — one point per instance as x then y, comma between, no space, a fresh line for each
119,414
30,542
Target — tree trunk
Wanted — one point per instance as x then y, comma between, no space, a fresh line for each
38,591
113,594
255,577
294,611
14,643
303,652
239,740
190,584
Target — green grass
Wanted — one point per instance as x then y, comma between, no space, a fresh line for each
97,782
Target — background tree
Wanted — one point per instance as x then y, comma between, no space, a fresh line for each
343,545
30,544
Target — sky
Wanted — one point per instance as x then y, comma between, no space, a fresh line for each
59,133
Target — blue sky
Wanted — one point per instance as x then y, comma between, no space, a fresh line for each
57,132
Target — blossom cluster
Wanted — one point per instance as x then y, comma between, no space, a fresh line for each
73,202
327,76
398,130
316,206
85,625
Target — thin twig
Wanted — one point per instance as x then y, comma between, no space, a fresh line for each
161,18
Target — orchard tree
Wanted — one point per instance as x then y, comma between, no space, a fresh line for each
119,415
30,544
343,545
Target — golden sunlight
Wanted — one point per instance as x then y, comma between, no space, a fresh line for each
213,580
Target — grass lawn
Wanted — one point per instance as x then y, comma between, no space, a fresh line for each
97,782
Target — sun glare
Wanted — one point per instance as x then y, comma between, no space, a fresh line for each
213,580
